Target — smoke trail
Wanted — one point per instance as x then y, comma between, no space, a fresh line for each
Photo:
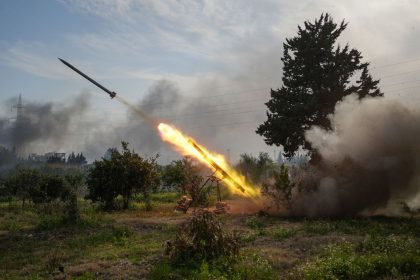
138,111
371,157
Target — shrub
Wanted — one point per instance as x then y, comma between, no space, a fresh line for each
201,238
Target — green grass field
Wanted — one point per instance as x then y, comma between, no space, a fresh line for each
130,245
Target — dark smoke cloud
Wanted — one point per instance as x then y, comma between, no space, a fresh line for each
369,160
201,114
41,124
140,133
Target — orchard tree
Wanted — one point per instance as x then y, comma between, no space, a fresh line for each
125,174
185,175
22,183
317,73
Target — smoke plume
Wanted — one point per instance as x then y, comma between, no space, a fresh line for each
370,159
44,125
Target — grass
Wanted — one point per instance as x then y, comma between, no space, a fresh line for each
34,245
42,243
283,233
363,226
246,266
374,258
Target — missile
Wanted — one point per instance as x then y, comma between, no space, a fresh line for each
111,93
215,165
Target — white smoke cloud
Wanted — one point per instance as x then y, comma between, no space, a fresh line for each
369,159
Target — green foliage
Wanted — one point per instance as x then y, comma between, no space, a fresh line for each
255,168
201,238
256,222
175,174
125,174
318,227
48,189
316,75
373,258
161,271
41,188
281,191
185,175
363,226
21,182
283,233
246,266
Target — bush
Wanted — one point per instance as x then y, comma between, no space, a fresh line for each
201,238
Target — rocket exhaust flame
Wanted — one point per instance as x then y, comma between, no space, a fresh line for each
186,145
189,147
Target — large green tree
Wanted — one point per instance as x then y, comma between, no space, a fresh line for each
317,73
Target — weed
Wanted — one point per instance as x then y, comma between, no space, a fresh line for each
201,238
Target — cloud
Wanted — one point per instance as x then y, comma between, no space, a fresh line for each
214,48
21,57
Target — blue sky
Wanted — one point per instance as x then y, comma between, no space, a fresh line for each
204,48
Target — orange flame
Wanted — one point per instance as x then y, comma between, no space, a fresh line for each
189,147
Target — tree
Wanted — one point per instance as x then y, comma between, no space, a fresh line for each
30,184
48,189
125,174
74,182
255,168
317,74
7,156
185,175
78,159
21,183
281,190
175,174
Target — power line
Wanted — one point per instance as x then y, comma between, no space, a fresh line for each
399,74
402,83
396,63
